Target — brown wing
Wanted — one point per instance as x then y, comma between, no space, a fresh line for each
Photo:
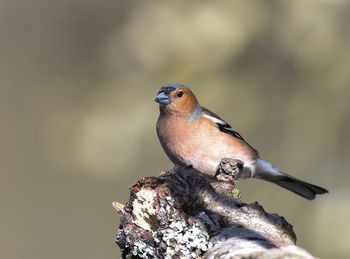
226,128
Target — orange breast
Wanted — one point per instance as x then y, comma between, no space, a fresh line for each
200,144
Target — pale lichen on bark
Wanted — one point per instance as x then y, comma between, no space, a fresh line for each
181,215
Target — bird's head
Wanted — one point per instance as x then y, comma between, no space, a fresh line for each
177,99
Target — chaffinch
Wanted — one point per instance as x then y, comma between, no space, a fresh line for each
192,135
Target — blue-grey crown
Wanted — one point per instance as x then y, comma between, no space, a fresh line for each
170,87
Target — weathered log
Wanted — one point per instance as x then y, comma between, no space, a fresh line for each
181,215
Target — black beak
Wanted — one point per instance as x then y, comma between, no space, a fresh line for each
162,98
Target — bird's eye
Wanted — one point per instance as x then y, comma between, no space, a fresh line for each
180,94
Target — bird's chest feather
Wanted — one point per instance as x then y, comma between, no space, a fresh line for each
200,144
188,142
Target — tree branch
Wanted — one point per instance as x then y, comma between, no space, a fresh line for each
181,215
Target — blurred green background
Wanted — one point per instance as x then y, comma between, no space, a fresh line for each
77,84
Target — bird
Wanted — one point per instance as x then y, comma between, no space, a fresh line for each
193,136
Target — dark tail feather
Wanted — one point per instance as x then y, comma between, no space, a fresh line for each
304,189
265,171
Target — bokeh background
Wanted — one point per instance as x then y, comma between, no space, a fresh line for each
77,84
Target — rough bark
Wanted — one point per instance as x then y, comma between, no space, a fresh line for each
181,215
